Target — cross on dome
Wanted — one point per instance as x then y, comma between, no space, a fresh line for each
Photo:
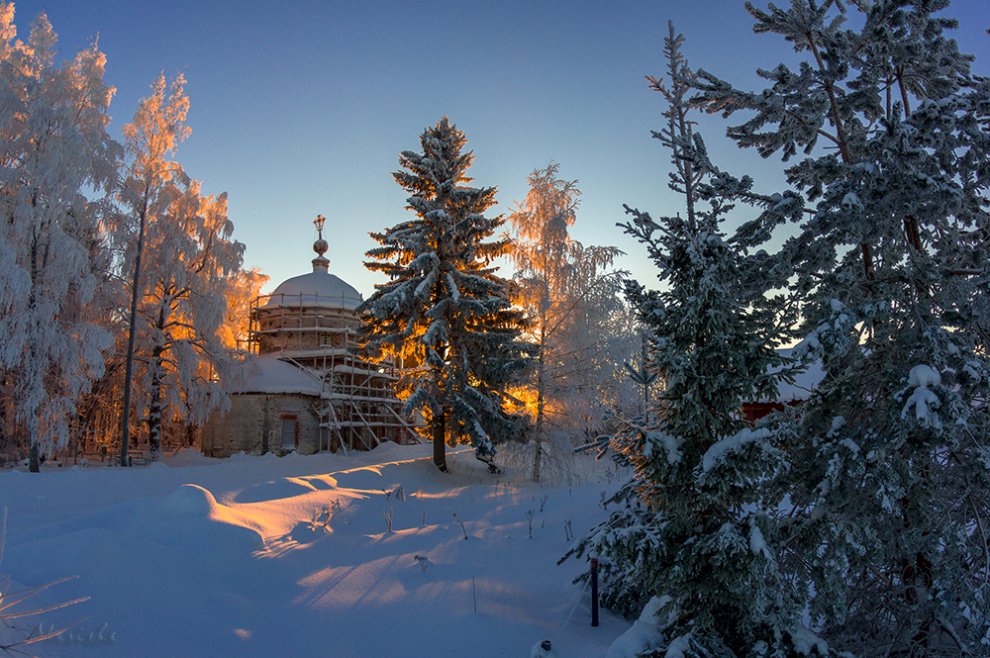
320,263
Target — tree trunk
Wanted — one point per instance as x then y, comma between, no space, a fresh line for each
439,419
155,407
34,461
439,443
125,421
918,580
34,458
538,447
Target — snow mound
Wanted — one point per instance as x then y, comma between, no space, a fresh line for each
191,500
189,457
643,634
191,516
273,490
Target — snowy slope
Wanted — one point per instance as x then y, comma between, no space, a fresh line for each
202,557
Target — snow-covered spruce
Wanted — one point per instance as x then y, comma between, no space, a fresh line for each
697,526
891,261
444,314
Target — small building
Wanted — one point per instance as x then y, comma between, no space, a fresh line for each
789,394
306,388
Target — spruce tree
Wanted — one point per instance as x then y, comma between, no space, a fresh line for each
444,312
697,525
890,502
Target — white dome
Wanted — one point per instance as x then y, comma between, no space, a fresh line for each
317,288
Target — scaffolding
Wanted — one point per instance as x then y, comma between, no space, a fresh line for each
318,334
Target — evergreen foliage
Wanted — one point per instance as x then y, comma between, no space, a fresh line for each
444,312
697,524
890,500
870,502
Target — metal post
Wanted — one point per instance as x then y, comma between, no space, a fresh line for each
594,591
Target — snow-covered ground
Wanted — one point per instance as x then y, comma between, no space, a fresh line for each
236,557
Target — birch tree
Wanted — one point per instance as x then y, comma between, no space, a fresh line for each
152,137
244,287
568,291
184,260
59,166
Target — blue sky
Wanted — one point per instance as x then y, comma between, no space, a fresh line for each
302,107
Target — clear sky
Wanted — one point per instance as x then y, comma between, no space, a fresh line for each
301,107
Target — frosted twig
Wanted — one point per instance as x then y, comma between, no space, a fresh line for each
8,600
457,517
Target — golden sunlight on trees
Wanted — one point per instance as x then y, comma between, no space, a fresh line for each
178,244
569,293
157,129
243,288
444,311
59,167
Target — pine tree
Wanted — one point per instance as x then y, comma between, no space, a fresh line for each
568,292
444,312
697,525
59,165
890,502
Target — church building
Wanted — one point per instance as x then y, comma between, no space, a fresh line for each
306,388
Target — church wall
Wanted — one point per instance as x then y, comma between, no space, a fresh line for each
287,420
304,328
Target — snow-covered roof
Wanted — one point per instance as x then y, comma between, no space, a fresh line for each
268,374
805,381
317,288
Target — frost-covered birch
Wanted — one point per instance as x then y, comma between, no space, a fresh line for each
569,291
183,260
59,166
